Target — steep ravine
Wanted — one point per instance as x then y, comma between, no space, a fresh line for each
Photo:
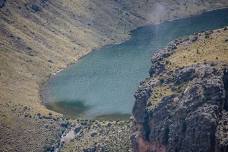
182,107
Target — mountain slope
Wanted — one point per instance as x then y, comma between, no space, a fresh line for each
40,37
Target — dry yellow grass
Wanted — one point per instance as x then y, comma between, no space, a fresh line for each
33,45
212,49
157,95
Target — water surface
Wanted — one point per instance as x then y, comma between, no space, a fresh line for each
102,84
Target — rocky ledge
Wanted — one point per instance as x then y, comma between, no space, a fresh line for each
185,108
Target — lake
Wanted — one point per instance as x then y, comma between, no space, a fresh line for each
101,85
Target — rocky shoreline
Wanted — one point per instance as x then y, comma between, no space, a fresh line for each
183,108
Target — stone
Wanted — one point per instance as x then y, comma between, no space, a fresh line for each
65,124
91,149
93,133
35,8
77,129
2,3
194,38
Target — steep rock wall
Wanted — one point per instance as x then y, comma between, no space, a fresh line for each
182,109
40,37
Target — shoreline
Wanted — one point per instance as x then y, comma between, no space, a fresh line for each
43,85
178,42
38,44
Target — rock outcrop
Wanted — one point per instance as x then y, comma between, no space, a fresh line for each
2,3
40,37
189,113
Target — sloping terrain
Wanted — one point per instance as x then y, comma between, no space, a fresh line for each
183,105
40,37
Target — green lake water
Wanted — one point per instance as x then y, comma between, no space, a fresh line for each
102,84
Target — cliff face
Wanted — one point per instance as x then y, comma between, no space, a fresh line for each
40,37
183,106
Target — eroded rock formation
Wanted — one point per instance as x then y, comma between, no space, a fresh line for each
188,113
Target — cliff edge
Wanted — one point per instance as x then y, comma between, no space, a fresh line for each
40,37
183,105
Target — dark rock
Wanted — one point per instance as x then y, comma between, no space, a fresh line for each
225,81
65,124
43,1
50,61
93,134
208,33
141,97
157,65
39,116
48,148
2,3
35,8
184,75
171,46
77,129
91,149
194,38
109,124
193,118
156,68
222,134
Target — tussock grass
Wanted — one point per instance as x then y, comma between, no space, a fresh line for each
212,49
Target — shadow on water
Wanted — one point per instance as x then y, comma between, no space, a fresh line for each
106,79
77,109
71,108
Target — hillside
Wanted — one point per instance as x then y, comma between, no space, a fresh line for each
41,37
183,105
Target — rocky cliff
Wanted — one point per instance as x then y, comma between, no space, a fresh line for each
182,106
40,37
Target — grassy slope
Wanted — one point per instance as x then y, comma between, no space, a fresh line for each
35,44
212,48
110,136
